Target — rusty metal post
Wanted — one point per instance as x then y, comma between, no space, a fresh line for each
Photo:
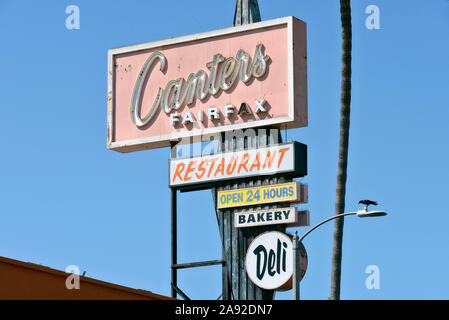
235,241
246,11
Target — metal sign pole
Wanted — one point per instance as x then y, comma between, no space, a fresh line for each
174,235
296,267
174,245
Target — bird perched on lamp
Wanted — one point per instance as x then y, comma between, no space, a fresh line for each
367,203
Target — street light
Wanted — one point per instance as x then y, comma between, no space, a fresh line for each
364,213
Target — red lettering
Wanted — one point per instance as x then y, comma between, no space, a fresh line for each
282,152
269,159
220,167
189,170
256,163
201,169
244,162
212,161
233,165
178,171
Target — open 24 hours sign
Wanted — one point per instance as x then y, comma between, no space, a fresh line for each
292,192
287,160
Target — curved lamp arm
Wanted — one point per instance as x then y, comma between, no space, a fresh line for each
296,242
323,222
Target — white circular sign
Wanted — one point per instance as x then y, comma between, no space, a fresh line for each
269,260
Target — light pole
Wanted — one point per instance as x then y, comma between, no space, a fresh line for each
296,242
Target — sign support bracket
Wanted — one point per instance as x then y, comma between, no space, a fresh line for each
174,251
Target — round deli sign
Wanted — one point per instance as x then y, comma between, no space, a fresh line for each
269,261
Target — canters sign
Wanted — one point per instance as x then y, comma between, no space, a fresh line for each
269,261
199,85
288,159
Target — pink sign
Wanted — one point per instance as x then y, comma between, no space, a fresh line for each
236,78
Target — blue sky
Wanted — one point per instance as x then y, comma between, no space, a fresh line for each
65,199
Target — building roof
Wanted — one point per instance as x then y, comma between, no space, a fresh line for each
25,280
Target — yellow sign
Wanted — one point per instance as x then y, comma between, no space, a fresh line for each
292,192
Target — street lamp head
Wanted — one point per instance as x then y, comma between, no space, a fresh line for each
367,214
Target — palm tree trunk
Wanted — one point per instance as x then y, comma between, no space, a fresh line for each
345,12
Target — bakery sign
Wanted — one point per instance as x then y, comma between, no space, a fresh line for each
290,217
199,85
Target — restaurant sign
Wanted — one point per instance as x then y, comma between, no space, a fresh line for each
288,159
199,85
